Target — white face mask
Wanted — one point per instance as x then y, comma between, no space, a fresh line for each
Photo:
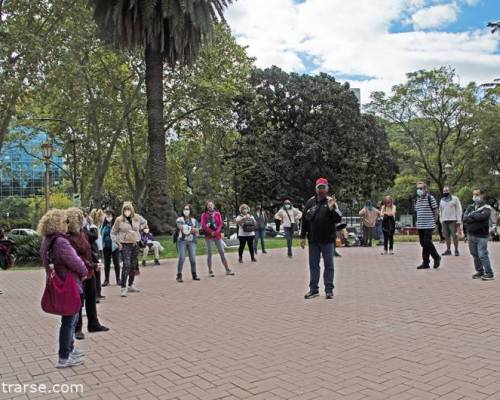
127,213
288,206
244,211
146,231
186,213
109,219
476,199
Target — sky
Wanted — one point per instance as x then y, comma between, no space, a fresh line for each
372,44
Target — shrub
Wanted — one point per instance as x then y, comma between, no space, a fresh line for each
27,250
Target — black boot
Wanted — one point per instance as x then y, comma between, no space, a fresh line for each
195,277
179,278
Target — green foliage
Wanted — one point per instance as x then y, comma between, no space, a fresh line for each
27,249
431,124
177,28
18,210
296,128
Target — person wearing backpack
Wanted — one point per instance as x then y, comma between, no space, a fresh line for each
427,211
289,218
60,257
477,219
189,229
212,224
246,231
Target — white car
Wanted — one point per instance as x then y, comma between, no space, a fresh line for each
23,232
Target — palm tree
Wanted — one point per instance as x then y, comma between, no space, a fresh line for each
495,26
170,31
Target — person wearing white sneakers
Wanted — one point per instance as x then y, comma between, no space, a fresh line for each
58,255
126,233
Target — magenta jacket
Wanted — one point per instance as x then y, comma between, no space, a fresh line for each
218,222
64,257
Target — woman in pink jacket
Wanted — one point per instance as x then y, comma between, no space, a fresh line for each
211,223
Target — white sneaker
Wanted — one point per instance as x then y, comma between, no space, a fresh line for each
70,362
77,353
229,272
123,292
133,289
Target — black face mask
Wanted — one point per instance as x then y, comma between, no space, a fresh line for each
446,194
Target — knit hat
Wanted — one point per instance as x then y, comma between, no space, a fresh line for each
321,182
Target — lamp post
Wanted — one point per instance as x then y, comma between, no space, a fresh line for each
47,155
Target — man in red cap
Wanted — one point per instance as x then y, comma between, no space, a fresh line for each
321,214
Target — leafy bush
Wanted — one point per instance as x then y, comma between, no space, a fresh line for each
27,250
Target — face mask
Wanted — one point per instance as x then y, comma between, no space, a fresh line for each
420,192
146,231
186,213
127,213
109,219
446,194
244,211
476,199
288,206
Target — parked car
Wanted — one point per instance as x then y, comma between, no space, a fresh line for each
22,232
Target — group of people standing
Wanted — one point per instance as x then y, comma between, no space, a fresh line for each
73,244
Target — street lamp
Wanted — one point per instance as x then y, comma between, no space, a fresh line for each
47,155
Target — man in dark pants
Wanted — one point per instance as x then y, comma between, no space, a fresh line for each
321,214
427,215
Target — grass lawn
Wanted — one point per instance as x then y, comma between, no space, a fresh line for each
170,251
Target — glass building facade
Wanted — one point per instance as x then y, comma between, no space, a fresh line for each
22,170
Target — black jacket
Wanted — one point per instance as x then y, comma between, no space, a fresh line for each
319,222
477,220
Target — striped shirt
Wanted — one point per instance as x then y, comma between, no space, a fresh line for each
425,207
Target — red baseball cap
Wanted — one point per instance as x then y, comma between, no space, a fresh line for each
321,182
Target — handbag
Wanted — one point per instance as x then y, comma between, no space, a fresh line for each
249,226
293,225
60,297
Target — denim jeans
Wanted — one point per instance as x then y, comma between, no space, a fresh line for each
183,247
315,252
260,234
66,335
379,231
289,239
478,247
220,249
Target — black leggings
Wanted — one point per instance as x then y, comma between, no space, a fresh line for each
89,298
388,240
243,241
109,255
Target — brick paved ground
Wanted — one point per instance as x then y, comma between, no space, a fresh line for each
391,332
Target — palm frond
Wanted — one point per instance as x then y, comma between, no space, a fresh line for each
178,28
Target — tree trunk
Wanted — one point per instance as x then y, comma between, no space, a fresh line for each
158,209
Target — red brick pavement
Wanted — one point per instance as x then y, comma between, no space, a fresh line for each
391,332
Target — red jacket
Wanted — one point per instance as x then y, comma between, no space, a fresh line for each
212,233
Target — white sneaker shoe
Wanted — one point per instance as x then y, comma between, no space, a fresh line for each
123,292
229,272
70,362
77,353
133,289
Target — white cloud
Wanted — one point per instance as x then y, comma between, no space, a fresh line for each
348,38
435,16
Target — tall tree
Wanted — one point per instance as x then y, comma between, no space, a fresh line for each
169,31
296,128
431,123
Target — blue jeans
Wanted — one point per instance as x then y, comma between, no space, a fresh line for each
478,247
220,249
260,234
184,246
315,252
289,239
379,231
66,335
